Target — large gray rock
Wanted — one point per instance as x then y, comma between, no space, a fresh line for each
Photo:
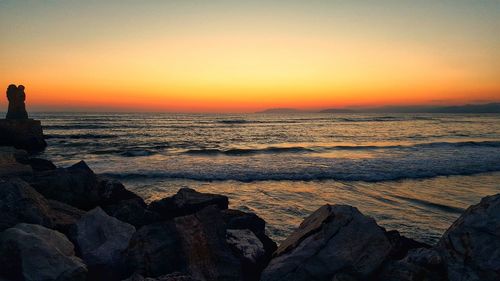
33,252
334,239
187,201
101,241
471,246
24,134
19,202
194,245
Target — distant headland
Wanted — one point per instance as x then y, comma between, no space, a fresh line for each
468,108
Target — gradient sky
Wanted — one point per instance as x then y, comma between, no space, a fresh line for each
233,56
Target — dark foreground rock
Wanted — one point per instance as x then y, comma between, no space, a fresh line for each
33,252
187,201
22,134
334,242
63,215
80,187
471,246
19,202
101,241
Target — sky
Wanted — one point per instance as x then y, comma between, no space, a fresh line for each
244,56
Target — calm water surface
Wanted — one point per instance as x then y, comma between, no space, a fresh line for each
415,173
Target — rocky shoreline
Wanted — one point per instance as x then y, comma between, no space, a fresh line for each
72,224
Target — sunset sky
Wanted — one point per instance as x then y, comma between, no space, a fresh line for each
232,56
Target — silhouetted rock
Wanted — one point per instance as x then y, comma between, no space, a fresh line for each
419,264
19,202
9,164
101,241
78,186
194,245
334,239
23,134
187,201
16,98
33,252
17,130
471,246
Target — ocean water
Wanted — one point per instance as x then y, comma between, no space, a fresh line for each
412,172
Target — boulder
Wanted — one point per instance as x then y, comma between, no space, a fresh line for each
39,164
64,215
76,185
250,250
236,219
24,134
187,201
33,252
101,241
334,239
9,164
19,202
471,246
80,187
194,245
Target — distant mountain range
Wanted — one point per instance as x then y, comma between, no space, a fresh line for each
468,108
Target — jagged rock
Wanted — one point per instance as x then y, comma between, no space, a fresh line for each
22,134
168,277
471,246
250,250
9,164
33,252
80,187
236,219
101,241
76,185
187,201
64,215
19,202
331,240
194,244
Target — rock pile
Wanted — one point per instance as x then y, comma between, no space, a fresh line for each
72,224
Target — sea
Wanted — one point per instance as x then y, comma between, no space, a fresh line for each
415,173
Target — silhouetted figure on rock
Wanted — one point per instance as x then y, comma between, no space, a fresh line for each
16,97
